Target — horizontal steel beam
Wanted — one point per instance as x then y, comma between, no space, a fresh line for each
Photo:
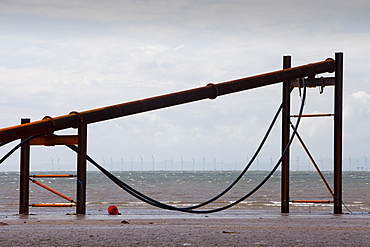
53,176
53,205
48,125
52,140
314,115
311,201
314,82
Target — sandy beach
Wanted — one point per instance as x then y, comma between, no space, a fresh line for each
178,230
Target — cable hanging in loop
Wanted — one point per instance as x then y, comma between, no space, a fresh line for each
158,204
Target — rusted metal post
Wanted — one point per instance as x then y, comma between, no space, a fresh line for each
81,167
24,171
285,140
338,118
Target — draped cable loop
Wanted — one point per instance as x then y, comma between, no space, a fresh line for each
137,194
156,203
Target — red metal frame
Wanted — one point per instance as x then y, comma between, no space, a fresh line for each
80,120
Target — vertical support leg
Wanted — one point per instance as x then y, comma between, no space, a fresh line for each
338,116
285,140
24,171
81,167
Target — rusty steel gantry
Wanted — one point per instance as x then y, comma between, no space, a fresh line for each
79,120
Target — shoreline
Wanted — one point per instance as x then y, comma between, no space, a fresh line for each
185,230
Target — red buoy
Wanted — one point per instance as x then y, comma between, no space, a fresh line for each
113,210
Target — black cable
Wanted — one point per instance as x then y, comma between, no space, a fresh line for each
153,202
17,146
4,143
120,183
273,170
140,196
248,165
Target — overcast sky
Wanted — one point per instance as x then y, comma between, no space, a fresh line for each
63,56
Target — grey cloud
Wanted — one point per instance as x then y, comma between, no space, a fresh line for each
58,57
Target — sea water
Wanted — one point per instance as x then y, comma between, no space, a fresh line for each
187,188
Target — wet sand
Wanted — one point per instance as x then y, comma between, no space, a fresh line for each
121,230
